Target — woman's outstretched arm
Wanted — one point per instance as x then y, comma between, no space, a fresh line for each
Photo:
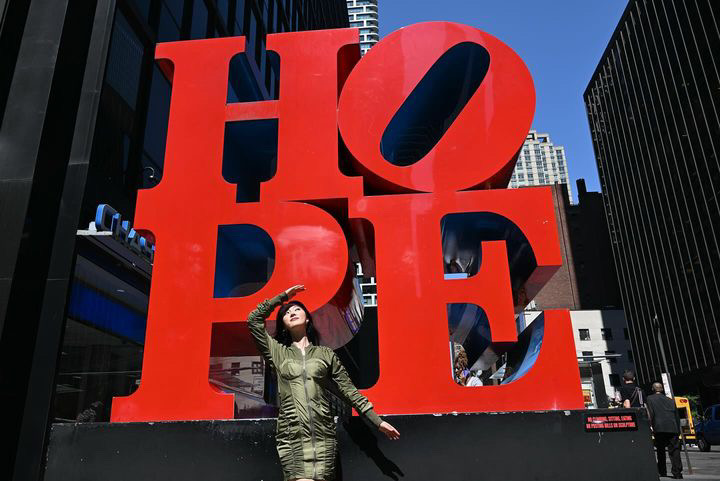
256,322
357,400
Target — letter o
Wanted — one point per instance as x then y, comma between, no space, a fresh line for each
479,147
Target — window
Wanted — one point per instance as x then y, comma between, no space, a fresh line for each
584,334
587,355
257,368
626,333
606,334
240,18
144,8
265,13
614,380
355,10
235,368
223,7
169,29
125,61
612,360
157,117
199,20
356,24
176,9
251,37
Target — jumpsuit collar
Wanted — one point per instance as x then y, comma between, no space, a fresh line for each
307,348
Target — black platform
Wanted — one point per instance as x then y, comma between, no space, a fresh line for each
505,446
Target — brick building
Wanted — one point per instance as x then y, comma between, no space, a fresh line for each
587,278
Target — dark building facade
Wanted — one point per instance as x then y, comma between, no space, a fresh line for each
83,112
587,278
653,106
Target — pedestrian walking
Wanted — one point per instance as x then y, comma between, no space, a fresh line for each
665,428
631,396
305,434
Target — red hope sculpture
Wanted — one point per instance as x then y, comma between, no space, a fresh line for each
478,151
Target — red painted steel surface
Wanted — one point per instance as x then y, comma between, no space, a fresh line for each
478,150
412,298
485,138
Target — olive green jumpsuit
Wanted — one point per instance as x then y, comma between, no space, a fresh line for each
305,435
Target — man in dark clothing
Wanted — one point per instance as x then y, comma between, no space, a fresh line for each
665,427
631,395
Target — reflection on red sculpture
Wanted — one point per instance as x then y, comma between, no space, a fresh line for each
476,151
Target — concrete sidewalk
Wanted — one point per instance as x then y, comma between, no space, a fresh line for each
706,466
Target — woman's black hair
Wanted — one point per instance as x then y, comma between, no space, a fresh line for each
282,335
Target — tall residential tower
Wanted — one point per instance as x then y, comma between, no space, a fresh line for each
540,163
364,15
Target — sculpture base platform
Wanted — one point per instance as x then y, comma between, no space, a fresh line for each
554,445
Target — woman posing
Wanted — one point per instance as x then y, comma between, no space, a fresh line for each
305,372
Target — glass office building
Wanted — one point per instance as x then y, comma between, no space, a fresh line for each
102,351
84,120
653,106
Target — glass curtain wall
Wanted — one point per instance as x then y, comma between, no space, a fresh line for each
107,306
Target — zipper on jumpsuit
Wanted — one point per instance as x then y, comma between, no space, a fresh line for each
310,415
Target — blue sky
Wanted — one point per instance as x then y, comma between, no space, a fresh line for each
561,42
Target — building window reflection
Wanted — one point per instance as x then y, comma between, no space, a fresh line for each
102,351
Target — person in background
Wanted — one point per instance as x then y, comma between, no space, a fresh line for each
461,367
665,428
631,395
473,380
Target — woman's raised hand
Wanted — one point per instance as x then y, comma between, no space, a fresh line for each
389,431
290,293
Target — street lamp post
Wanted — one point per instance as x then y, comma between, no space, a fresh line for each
666,376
